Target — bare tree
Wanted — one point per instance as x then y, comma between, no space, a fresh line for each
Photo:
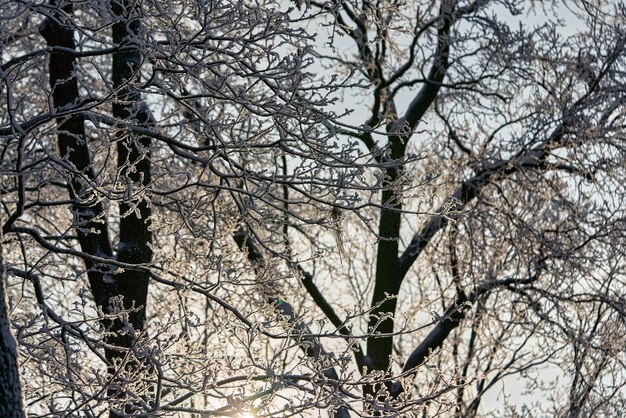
514,235
400,215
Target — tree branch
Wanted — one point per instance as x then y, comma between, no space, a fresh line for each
468,190
451,319
309,344
424,98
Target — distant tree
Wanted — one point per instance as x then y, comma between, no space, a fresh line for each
209,210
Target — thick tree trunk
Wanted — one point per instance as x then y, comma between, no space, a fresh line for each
11,403
133,159
390,271
134,168
387,282
133,155
90,220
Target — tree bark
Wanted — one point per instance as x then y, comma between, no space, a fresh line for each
389,271
11,402
133,160
89,217
134,168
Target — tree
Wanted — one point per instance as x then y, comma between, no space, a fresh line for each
248,246
521,210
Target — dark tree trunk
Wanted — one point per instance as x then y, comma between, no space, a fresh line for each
390,268
134,167
89,216
388,280
133,153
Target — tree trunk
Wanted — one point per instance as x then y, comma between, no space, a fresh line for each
134,167
11,403
89,218
133,155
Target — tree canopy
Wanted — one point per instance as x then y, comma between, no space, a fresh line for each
343,208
